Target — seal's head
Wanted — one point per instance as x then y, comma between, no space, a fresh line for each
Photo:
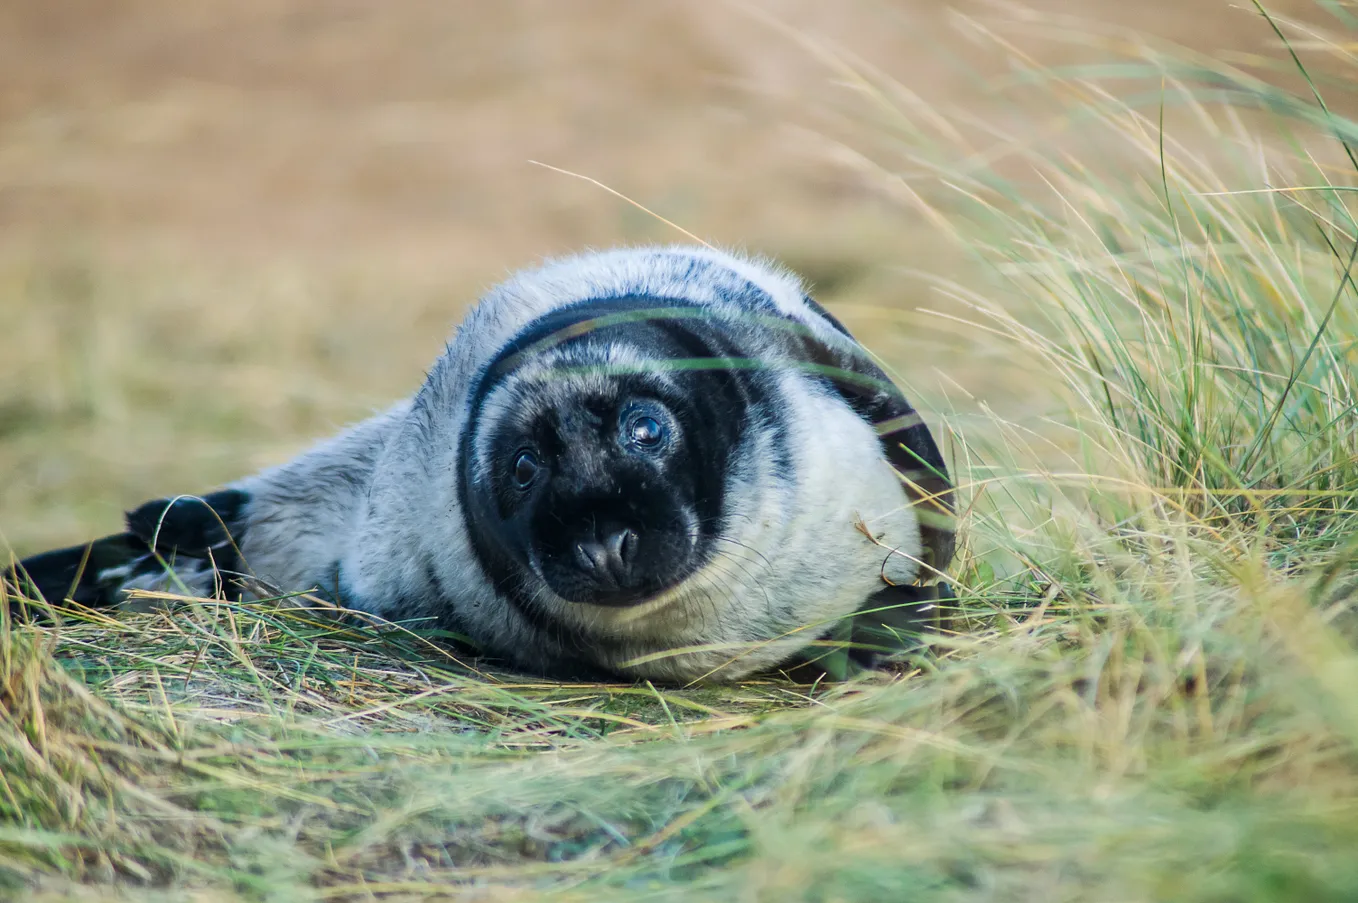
677,467
592,474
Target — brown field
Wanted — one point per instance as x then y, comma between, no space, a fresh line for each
226,229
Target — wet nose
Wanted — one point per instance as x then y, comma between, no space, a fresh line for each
607,557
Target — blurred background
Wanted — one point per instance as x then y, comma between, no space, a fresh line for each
227,229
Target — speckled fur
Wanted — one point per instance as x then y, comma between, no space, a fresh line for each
373,514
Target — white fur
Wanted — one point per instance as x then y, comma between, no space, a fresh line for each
381,498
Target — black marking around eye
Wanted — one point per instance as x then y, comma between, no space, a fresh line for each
711,406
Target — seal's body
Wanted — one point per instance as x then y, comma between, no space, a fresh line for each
663,463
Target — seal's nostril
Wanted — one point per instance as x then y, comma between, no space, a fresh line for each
622,546
591,556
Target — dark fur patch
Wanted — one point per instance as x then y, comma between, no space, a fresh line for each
93,574
826,315
888,626
73,572
891,617
669,335
906,441
190,525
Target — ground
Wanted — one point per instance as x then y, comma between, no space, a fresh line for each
1096,242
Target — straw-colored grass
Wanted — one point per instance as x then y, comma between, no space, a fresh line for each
1155,696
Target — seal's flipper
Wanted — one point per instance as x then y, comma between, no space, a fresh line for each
894,621
189,542
193,526
89,575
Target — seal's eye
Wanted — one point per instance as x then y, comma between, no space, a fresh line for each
645,431
525,469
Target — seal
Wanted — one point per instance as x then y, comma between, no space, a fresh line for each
663,463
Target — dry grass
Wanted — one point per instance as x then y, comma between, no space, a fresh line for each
1148,369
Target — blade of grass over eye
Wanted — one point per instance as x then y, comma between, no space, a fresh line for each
839,374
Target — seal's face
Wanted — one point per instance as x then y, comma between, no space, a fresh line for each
595,468
597,488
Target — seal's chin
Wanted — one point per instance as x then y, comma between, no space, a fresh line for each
620,598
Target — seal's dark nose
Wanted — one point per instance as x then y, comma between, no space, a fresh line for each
608,560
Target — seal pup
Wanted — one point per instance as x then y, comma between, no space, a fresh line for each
666,463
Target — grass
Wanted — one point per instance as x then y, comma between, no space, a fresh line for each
1153,698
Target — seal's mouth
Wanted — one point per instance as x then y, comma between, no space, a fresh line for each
605,554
